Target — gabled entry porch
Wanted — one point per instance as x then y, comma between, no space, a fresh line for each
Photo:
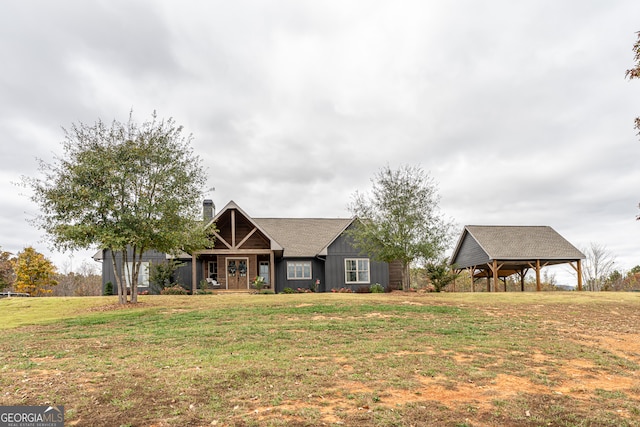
242,251
236,270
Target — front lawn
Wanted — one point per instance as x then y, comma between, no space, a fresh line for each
533,359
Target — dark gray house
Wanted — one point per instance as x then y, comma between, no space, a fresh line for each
285,252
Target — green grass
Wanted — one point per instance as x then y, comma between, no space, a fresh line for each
309,359
37,311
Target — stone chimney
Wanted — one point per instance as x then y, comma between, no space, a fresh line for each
208,209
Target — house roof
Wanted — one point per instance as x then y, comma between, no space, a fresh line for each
303,237
483,243
275,245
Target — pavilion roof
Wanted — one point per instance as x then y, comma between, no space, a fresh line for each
513,245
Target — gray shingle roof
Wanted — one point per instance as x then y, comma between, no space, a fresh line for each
523,242
513,243
303,237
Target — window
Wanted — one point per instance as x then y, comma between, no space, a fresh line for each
213,270
298,270
143,274
356,270
263,271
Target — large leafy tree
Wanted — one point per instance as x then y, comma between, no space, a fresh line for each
125,187
35,274
400,220
7,275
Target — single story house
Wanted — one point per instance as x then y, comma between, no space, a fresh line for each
286,252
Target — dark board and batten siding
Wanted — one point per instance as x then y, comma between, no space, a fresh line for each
317,273
184,273
470,253
341,249
154,257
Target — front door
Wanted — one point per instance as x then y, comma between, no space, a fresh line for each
237,277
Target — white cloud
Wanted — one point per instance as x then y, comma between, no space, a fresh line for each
520,110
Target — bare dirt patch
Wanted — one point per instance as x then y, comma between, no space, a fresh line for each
574,379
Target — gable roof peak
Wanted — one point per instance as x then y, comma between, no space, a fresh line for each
275,245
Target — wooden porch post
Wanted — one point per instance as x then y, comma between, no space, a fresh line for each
272,271
193,273
538,287
496,280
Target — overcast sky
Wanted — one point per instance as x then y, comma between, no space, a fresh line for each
520,110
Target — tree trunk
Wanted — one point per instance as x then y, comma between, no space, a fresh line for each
122,296
136,258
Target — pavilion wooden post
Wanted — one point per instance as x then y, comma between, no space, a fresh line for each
522,273
579,272
495,268
472,271
578,269
538,286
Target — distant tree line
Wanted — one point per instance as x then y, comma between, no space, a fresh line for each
31,272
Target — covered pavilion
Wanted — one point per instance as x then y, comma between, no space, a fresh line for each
497,252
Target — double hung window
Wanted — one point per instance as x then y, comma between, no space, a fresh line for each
356,270
298,270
